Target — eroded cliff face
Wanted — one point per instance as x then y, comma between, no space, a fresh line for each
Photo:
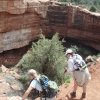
13,6
74,22
19,24
22,20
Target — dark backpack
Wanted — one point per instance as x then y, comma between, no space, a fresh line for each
50,88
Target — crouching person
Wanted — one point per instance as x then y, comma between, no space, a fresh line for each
42,84
78,68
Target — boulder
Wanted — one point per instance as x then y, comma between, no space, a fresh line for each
4,69
89,59
13,6
22,25
18,30
10,88
98,59
14,84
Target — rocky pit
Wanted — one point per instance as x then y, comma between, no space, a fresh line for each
12,89
21,22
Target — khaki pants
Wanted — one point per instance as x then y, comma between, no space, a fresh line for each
82,77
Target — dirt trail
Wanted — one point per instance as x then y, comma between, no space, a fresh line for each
93,88
10,91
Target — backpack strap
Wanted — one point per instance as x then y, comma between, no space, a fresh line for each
82,65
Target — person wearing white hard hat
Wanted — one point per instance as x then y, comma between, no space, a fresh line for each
79,70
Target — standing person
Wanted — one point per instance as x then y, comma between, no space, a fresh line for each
79,70
35,85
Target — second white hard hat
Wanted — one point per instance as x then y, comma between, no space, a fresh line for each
68,51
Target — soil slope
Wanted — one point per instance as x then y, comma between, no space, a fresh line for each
12,90
93,88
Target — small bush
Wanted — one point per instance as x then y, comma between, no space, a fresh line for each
67,79
93,9
23,79
63,0
47,57
81,50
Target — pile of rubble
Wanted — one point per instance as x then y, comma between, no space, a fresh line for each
10,87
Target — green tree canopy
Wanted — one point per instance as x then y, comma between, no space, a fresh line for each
47,57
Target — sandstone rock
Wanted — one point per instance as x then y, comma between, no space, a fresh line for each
14,98
15,74
73,22
10,88
17,27
3,98
39,6
16,7
18,30
5,86
16,39
89,59
98,59
4,69
14,84
13,6
15,87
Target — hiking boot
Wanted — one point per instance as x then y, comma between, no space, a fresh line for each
73,94
83,95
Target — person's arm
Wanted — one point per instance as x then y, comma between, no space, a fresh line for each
27,93
70,66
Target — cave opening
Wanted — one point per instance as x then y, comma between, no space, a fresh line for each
11,57
83,49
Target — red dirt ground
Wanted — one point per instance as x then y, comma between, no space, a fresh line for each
93,88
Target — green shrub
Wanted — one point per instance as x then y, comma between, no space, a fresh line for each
63,0
23,79
67,79
81,50
74,48
93,9
47,57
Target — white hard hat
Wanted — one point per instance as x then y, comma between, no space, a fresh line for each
68,51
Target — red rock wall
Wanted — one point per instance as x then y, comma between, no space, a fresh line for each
73,22
13,6
19,28
11,58
20,23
